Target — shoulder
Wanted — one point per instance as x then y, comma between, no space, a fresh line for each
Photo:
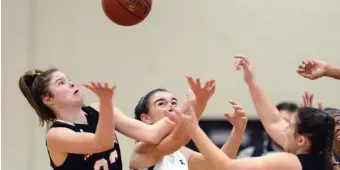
58,133
278,161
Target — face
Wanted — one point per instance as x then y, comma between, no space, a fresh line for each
64,92
337,131
290,143
159,103
286,115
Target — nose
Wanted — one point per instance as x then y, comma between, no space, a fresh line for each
71,84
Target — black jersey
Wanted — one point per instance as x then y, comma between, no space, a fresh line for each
107,160
310,162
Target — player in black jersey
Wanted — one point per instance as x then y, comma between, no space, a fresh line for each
80,138
309,134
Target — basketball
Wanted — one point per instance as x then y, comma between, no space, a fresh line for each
127,12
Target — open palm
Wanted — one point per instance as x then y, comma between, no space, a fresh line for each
239,119
312,69
103,91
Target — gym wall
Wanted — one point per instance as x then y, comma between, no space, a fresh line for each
179,37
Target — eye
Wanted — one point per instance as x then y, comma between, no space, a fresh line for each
61,82
174,103
160,104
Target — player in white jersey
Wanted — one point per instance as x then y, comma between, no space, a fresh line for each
172,154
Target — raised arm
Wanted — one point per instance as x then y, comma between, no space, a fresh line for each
138,130
64,140
239,121
270,117
198,97
314,69
220,161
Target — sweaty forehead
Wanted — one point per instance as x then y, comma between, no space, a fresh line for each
161,95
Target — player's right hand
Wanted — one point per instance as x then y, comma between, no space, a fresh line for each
103,91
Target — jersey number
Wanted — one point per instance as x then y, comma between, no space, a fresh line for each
102,164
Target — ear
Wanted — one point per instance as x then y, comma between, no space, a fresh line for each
146,119
302,141
47,100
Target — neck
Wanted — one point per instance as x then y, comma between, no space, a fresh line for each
72,115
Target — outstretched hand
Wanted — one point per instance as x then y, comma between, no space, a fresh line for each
204,93
239,119
244,62
312,69
307,101
102,91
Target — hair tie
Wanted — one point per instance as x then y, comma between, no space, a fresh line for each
35,76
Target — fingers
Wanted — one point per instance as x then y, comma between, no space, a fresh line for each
198,82
235,105
305,75
242,58
320,105
113,87
98,85
228,117
88,86
242,62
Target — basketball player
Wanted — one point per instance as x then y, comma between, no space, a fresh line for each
160,102
335,113
176,139
273,123
314,69
307,142
286,110
80,138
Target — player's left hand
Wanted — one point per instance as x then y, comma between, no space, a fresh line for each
239,119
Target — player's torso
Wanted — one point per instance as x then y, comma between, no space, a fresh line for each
107,160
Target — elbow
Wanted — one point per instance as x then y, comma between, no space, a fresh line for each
132,164
108,144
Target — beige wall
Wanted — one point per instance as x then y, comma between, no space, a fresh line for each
179,37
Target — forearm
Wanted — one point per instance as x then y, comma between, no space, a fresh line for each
179,135
161,129
141,131
269,115
333,72
209,150
106,126
200,107
174,141
233,143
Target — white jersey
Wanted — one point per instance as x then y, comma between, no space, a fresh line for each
174,161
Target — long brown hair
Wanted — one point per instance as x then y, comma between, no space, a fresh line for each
34,86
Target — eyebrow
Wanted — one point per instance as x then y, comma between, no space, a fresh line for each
162,99
59,79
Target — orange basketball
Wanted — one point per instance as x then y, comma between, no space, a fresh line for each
127,12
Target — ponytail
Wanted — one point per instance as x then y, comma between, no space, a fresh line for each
34,86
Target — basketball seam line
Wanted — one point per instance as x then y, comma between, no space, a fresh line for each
129,10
